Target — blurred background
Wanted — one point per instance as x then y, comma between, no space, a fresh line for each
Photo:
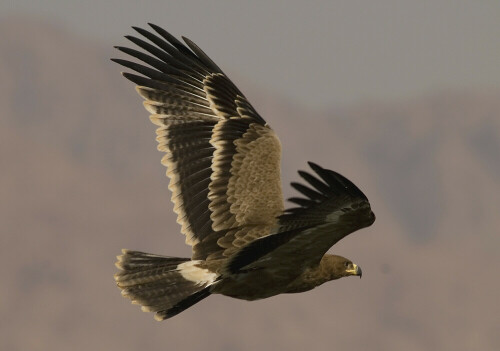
402,97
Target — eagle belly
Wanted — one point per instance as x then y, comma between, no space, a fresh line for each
255,285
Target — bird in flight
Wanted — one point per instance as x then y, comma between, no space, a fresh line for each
223,162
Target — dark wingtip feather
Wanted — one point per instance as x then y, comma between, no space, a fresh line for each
337,181
152,25
170,38
117,60
315,167
324,184
142,31
301,201
311,194
323,173
121,48
201,55
315,182
134,78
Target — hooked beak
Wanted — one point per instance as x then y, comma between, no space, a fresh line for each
356,270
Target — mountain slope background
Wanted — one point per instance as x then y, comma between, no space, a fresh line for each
81,179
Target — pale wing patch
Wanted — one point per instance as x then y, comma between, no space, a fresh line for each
254,190
200,276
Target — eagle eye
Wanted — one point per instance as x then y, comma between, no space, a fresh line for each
346,264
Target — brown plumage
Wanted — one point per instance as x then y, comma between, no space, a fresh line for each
223,161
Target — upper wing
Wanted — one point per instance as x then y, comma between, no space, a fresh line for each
222,158
332,208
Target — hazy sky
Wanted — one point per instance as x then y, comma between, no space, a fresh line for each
319,53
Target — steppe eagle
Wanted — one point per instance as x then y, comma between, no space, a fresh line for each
223,161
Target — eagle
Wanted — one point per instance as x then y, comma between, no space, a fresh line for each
223,162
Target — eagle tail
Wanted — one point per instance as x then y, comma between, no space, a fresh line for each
162,284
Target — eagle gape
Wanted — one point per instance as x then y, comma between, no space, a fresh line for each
223,161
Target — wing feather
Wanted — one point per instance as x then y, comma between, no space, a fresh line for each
222,158
305,233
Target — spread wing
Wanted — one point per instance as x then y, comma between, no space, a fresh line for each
332,208
222,158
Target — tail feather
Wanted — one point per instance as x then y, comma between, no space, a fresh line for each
162,284
182,305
